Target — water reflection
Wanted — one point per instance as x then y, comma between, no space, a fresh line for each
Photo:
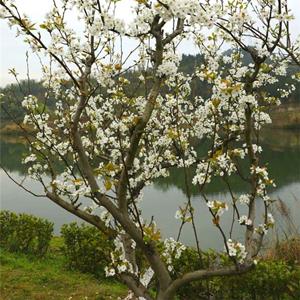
281,151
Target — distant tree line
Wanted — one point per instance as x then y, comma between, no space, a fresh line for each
11,108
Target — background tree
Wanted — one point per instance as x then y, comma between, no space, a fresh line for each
108,137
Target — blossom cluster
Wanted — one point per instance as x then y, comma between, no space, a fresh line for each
184,213
119,263
262,229
236,250
217,207
172,250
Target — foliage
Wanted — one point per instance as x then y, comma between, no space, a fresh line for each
86,248
25,233
190,261
270,279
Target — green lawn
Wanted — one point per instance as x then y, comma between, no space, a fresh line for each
28,278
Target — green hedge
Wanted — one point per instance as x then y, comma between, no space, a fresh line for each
86,248
25,233
270,279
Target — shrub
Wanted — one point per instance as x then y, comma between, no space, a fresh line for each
270,279
86,248
189,261
25,233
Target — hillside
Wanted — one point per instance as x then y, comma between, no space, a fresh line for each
11,107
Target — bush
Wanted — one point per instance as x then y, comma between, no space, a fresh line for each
270,279
86,248
25,233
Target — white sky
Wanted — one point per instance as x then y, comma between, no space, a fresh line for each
13,49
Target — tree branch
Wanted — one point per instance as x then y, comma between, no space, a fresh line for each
202,274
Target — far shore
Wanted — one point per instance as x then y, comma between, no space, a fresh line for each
285,116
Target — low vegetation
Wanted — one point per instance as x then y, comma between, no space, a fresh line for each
272,278
26,277
25,233
86,248
73,268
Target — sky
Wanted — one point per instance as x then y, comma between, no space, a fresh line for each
13,49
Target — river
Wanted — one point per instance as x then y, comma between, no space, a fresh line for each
161,200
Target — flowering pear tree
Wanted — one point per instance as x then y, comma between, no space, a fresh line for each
109,137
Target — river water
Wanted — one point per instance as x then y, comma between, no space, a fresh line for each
161,200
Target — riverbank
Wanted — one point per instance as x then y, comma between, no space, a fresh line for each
285,116
38,266
13,129
30,278
27,278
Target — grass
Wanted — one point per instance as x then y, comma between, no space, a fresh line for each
29,278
